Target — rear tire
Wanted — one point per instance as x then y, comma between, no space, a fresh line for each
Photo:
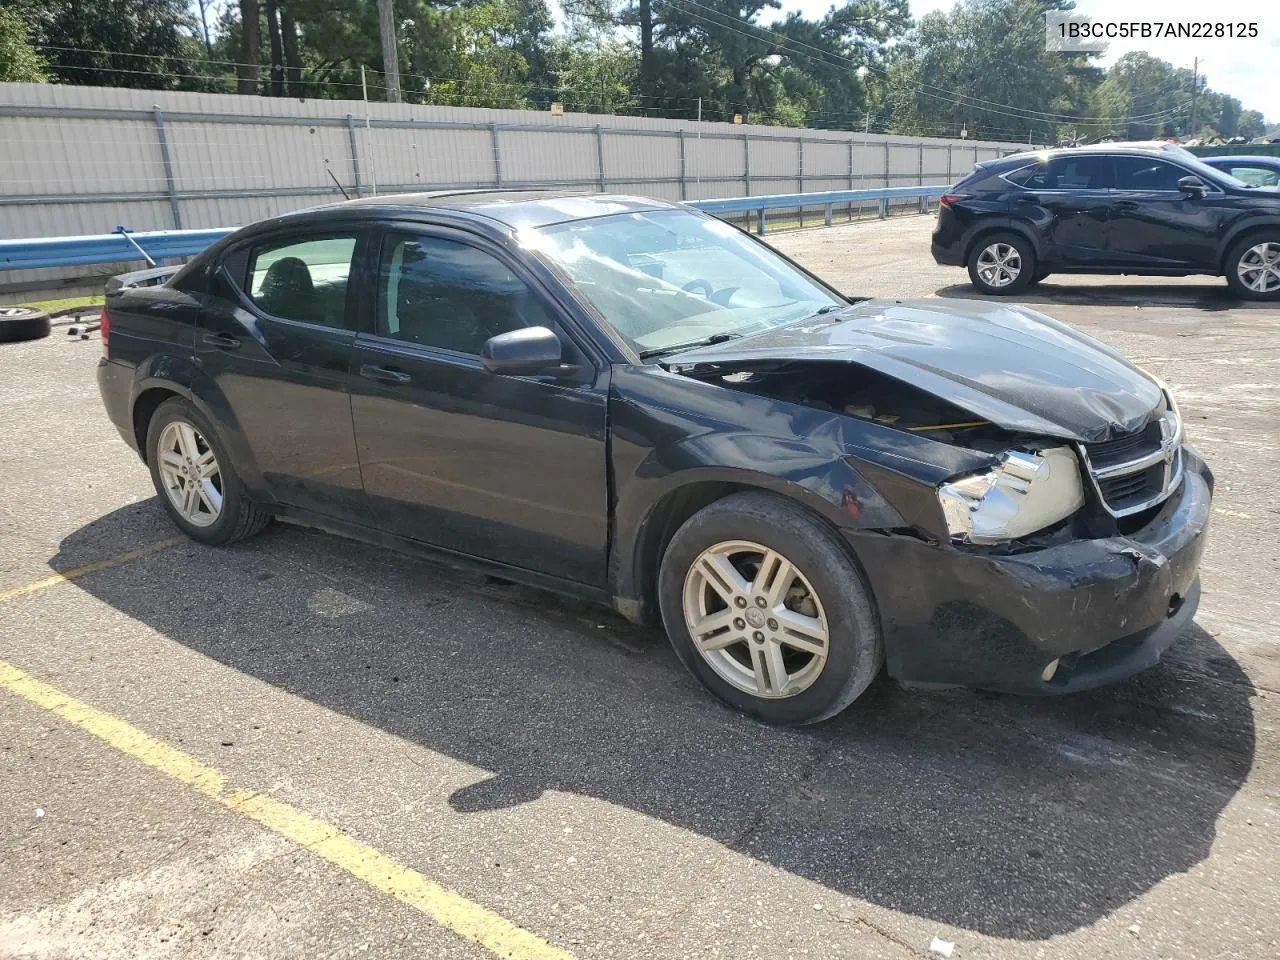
193,475
1253,267
23,323
793,581
1002,264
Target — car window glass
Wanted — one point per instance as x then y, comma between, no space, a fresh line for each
1146,173
1064,173
303,280
442,293
1256,176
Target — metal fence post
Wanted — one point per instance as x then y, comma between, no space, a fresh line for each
828,212
497,154
163,139
760,222
746,164
851,149
684,186
924,201
355,154
600,153
800,151
886,164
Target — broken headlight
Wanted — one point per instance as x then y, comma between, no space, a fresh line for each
1025,493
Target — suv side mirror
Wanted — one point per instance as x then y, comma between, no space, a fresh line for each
1193,186
525,351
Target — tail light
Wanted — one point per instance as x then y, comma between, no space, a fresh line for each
948,199
104,328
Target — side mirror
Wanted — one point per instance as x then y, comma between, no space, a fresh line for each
524,351
1193,186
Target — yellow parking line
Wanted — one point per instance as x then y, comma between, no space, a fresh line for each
451,910
1233,513
94,567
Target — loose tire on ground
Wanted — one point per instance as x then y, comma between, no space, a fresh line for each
23,323
1253,267
180,439
1002,264
853,649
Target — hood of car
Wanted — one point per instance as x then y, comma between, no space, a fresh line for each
1012,366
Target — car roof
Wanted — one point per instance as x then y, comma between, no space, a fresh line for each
1096,148
1273,162
515,208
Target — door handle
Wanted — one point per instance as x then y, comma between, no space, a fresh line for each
384,374
1125,204
221,340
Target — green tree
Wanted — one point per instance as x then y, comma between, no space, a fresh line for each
130,43
19,63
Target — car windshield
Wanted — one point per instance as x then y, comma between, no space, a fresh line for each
667,279
1213,174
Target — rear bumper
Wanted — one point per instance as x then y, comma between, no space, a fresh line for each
1102,609
115,383
947,251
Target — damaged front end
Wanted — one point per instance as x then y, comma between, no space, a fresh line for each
1050,560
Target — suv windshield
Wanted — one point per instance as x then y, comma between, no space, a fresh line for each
666,279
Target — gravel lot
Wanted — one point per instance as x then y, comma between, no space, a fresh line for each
556,766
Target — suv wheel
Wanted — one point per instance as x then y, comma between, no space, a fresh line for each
1002,264
1253,267
764,605
193,475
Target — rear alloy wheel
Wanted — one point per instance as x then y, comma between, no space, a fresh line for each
1253,268
23,323
766,606
194,477
1002,264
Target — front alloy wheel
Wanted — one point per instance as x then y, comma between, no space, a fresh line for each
755,619
1259,268
190,473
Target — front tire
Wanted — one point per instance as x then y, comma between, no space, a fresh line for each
766,607
194,477
1253,267
1002,264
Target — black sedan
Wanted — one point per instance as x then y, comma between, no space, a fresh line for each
1109,210
629,401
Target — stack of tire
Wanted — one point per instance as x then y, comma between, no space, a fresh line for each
22,323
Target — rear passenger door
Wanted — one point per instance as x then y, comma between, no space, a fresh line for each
505,468
1069,199
277,344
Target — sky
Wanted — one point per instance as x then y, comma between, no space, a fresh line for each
1248,70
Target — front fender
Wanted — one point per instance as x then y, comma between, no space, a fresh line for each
1239,229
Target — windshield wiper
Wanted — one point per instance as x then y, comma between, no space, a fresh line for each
704,342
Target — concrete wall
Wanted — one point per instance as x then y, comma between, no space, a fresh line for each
82,160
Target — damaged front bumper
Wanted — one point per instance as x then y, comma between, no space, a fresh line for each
1102,609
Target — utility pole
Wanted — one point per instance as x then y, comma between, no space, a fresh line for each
1195,95
390,52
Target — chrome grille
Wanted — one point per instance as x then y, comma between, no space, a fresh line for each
1137,470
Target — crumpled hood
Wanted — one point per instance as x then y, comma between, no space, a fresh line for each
1013,366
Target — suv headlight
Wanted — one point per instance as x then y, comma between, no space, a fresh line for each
1025,493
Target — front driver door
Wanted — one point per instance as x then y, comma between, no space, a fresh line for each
505,468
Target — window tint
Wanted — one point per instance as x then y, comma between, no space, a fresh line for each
1065,173
304,281
1255,176
1144,173
441,293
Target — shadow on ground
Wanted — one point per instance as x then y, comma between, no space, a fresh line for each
1212,295
1016,818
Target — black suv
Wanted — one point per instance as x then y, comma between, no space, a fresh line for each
1109,209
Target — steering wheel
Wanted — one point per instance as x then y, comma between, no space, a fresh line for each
701,287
